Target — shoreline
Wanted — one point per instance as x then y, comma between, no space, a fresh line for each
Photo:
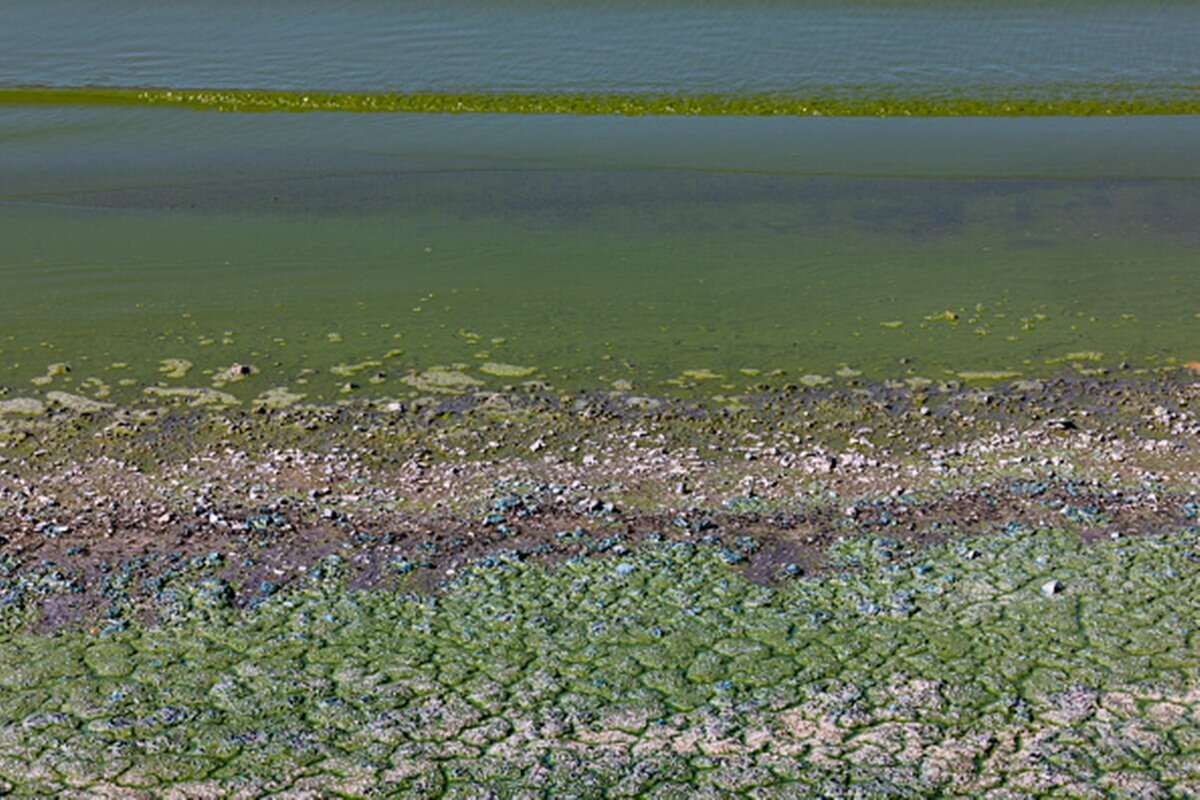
414,493
831,593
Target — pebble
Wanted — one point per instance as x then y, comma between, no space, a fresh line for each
1051,587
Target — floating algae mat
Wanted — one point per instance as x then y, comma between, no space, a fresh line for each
1026,663
1087,101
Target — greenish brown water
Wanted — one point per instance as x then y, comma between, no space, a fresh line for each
665,213
340,249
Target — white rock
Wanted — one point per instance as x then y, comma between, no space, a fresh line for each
1051,587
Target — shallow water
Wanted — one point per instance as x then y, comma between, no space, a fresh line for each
679,254
596,250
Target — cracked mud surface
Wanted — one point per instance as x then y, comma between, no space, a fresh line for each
867,594
663,674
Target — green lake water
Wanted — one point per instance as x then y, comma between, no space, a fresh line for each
676,254
595,250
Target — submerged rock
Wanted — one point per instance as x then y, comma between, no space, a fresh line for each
77,403
193,396
507,370
175,367
344,370
278,397
442,381
988,375
52,371
22,406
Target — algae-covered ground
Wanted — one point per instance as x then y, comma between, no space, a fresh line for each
1021,664
866,591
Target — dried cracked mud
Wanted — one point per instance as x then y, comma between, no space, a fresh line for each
865,591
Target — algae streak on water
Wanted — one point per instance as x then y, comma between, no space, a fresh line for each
1074,101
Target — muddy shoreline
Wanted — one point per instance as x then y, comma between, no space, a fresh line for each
100,508
868,592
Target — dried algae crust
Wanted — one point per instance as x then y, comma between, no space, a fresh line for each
660,674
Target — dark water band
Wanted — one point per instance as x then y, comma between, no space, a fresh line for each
1092,101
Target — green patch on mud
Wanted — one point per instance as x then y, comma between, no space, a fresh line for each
658,673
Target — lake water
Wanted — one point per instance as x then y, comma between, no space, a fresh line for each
599,46
692,255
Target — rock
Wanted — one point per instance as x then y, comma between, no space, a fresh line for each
1052,587
233,373
823,464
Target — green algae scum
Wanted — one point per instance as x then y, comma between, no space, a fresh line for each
1084,101
343,255
779,399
